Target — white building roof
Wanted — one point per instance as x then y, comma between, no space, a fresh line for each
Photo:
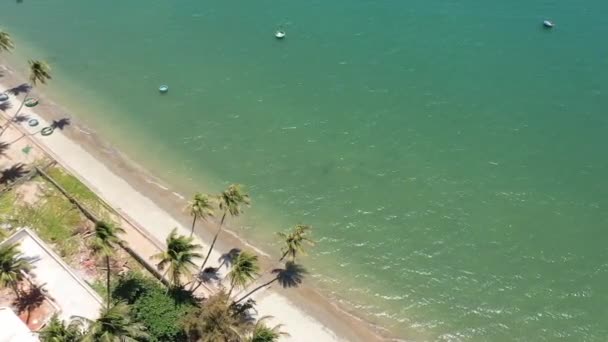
73,296
12,329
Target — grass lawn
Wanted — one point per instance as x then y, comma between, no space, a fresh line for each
58,222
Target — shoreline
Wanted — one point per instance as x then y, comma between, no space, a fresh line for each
304,305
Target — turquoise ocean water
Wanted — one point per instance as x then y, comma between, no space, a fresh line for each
451,155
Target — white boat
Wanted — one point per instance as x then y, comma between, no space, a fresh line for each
163,88
548,24
280,34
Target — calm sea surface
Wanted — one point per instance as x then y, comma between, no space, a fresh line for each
451,155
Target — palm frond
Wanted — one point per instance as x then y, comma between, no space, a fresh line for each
245,268
6,43
40,72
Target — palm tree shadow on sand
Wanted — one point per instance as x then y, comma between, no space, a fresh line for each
18,90
291,275
60,124
4,147
228,257
30,301
21,118
4,106
13,173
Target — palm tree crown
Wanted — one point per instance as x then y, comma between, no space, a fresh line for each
114,325
231,200
294,241
244,269
40,72
105,238
57,331
214,321
263,333
179,257
200,207
6,43
13,266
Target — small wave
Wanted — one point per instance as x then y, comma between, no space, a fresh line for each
158,185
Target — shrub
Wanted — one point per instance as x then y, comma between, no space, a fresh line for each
159,310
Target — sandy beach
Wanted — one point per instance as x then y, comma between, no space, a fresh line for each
150,204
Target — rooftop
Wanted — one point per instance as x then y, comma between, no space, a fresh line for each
13,329
72,295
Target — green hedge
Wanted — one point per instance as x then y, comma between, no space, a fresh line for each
159,310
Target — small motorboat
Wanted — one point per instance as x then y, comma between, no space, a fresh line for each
548,24
163,88
280,34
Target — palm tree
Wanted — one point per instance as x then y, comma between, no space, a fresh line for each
114,325
245,268
214,321
6,43
230,202
40,72
105,240
13,267
263,333
179,257
294,241
57,331
200,207
291,275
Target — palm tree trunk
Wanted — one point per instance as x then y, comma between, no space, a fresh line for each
219,230
193,223
256,289
10,120
284,255
108,279
200,282
16,290
164,275
230,291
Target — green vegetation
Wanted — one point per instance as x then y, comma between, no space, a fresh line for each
293,242
200,207
104,244
263,333
215,320
79,191
178,259
139,308
244,270
58,331
6,43
137,305
230,201
50,214
13,267
158,310
115,323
